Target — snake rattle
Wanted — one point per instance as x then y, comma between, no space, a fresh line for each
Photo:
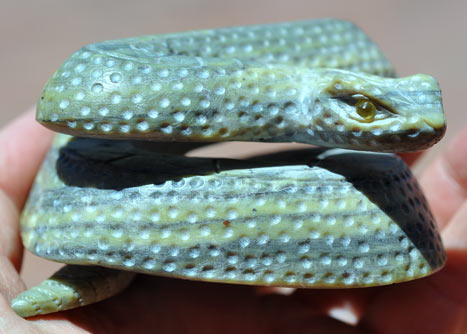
121,197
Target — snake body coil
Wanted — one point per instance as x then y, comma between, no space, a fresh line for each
313,218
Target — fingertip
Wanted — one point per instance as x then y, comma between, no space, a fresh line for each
454,235
10,243
455,157
445,180
410,158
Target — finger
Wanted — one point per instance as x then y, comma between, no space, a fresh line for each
10,322
10,282
445,181
18,164
410,158
23,145
10,243
455,234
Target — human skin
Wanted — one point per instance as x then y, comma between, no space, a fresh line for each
436,304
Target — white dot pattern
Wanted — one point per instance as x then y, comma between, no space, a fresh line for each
293,225
180,228
245,81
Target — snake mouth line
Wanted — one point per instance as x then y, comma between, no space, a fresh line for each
413,140
409,140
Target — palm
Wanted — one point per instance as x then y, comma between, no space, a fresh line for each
152,304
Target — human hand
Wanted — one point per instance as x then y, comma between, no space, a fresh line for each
434,304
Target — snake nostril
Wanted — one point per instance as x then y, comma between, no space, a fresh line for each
223,131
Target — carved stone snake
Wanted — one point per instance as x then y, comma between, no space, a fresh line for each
320,218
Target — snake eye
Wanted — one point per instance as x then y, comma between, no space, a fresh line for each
366,109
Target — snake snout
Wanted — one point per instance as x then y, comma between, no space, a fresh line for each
376,112
418,103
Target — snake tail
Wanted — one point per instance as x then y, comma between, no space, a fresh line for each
70,287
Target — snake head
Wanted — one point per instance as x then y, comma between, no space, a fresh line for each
224,100
372,112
